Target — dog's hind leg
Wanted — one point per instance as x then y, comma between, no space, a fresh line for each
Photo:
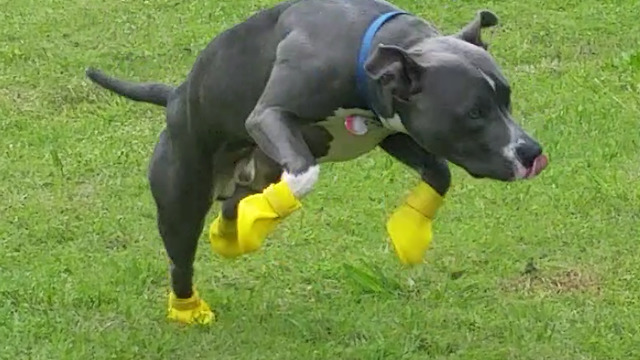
181,181
223,235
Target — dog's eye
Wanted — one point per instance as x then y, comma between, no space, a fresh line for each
474,113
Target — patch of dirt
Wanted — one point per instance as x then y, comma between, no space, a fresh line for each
554,282
634,169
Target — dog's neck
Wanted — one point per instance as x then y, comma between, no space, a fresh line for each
405,31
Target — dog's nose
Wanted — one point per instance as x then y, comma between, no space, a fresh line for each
528,153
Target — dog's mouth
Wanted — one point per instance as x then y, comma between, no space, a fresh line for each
539,164
518,170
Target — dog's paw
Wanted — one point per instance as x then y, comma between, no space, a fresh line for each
410,234
223,238
410,224
260,213
193,310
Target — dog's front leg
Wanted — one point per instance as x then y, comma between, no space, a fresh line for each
279,137
409,226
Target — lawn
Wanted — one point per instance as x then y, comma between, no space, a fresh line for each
544,269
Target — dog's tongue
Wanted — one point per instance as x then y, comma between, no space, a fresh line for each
539,164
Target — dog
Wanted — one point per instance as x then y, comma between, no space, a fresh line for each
312,81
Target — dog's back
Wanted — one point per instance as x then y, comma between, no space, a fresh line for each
231,73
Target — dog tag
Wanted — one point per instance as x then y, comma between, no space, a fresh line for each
356,125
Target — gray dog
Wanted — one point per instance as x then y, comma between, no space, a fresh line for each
313,81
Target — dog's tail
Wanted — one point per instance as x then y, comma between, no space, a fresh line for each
154,93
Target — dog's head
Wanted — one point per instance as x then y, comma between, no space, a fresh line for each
455,102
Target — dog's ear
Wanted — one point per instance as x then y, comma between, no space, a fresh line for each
471,33
397,73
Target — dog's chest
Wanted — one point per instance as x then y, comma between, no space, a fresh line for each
352,133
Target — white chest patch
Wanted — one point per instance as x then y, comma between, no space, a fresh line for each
356,132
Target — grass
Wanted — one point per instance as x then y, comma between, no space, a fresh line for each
545,269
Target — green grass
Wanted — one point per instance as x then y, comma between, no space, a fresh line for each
83,274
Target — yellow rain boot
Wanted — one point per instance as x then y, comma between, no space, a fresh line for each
410,224
258,214
223,237
189,311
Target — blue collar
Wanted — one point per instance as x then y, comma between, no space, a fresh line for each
365,48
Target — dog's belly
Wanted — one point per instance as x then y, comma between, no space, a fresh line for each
329,141
344,145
